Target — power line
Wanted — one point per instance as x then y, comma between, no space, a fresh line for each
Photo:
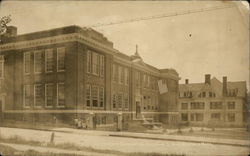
164,15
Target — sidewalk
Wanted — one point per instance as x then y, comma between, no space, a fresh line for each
180,138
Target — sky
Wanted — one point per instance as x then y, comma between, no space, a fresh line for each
211,42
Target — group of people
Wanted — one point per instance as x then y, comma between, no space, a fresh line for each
79,123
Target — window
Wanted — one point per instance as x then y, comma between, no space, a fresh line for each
120,75
203,94
88,95
126,75
211,94
38,61
102,65
101,96
61,59
184,105
104,120
199,117
144,80
27,95
114,101
26,60
231,117
148,81
88,61
114,72
1,66
231,105
232,92
39,96
215,105
126,101
137,79
119,100
215,116
95,63
49,60
49,95
188,94
60,95
197,105
192,117
94,95
184,117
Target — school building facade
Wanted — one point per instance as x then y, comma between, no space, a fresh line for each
74,72
213,103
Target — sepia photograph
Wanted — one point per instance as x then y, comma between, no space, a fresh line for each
124,78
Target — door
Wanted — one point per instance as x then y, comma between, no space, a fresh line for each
1,104
1,107
138,109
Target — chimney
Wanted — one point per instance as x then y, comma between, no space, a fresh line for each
207,79
186,81
11,31
224,89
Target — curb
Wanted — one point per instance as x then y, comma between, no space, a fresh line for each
179,140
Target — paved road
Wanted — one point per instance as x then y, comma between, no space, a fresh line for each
127,144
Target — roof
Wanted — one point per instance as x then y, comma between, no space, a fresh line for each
215,86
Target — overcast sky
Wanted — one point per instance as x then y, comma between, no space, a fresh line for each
213,42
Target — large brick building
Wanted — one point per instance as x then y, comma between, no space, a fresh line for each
73,72
213,103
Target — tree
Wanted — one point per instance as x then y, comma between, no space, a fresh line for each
3,24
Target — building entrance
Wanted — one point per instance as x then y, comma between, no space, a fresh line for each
138,109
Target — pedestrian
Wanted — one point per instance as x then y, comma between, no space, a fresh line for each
79,124
76,122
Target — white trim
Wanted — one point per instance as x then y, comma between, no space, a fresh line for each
45,91
62,70
57,95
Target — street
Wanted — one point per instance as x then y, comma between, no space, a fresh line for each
99,140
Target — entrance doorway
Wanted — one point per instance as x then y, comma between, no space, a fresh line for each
1,107
138,109
1,104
